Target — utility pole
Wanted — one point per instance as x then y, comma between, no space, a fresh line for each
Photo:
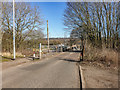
13,30
48,36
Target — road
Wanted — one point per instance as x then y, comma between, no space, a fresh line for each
58,71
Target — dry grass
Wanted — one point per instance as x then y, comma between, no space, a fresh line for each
27,52
105,56
9,55
30,52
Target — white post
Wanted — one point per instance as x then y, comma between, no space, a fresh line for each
34,55
40,51
13,30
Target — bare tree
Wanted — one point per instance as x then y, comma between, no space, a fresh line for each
98,21
27,20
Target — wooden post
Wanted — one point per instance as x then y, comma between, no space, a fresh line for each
48,36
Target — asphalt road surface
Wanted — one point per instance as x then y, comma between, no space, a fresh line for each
58,71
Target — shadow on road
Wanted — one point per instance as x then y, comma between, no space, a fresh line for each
77,51
69,60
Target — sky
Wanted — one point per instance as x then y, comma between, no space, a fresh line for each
53,12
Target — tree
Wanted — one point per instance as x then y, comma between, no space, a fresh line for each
97,21
27,20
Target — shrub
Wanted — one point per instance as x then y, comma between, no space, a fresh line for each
105,56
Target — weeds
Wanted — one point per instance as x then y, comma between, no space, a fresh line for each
10,56
105,56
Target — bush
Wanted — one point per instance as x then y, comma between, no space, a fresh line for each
105,56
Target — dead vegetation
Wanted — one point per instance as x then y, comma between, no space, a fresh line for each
9,55
104,57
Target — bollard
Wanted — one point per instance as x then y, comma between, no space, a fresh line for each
34,56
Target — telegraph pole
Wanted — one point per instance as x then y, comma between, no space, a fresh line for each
13,30
48,36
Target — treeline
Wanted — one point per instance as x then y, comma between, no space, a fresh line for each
96,22
28,25
35,43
